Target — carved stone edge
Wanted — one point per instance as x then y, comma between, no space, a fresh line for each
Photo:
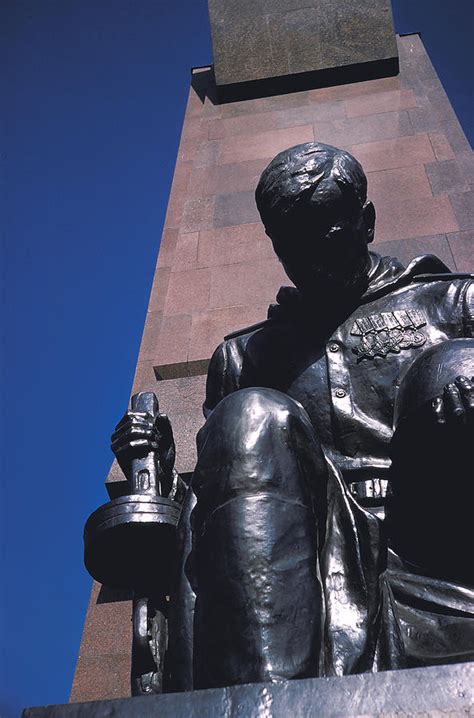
444,689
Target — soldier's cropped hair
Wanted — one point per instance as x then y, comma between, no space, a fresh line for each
303,177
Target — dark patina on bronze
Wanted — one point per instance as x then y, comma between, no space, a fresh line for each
321,534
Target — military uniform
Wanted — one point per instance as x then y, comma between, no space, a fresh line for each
346,376
283,573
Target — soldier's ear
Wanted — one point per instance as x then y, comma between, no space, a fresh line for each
368,215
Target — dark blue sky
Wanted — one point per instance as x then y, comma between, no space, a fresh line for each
94,95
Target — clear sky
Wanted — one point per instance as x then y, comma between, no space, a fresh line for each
93,101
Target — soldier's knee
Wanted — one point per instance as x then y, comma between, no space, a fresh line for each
250,443
257,406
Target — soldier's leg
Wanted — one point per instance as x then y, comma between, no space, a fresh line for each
260,483
429,514
179,668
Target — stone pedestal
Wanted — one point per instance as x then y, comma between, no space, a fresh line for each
263,47
437,691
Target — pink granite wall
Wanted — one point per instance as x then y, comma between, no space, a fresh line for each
216,271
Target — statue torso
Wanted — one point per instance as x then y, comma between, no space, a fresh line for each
346,379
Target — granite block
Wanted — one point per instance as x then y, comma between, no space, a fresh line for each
144,379
209,328
415,217
167,247
463,206
185,256
197,182
441,146
243,107
194,128
207,153
263,144
462,247
232,245
354,89
440,103
285,101
174,340
100,638
195,106
181,396
424,119
185,429
187,149
235,208
407,249
215,129
198,214
100,677
377,103
286,28
235,284
188,291
274,116
397,152
255,40
252,106
248,124
446,177
181,399
211,109
232,177
420,83
159,289
151,335
178,194
243,51
283,5
413,53
356,130
456,137
314,112
465,161
398,185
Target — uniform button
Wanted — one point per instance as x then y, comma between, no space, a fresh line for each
340,393
333,347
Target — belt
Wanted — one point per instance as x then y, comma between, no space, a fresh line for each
370,491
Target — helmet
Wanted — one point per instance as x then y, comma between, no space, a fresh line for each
429,374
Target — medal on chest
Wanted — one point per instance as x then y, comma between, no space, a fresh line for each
388,332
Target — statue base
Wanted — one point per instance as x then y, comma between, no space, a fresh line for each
438,689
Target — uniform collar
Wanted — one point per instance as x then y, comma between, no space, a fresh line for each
386,274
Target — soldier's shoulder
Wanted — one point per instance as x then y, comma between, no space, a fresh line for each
429,268
246,332
421,271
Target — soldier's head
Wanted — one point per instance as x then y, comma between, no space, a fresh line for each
312,199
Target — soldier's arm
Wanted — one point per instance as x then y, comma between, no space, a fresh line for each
223,375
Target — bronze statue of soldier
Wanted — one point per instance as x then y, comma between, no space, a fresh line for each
286,567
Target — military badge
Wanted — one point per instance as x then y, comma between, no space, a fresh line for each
388,332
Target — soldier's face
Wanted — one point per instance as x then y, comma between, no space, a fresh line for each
330,258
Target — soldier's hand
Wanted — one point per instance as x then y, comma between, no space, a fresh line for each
456,404
138,433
